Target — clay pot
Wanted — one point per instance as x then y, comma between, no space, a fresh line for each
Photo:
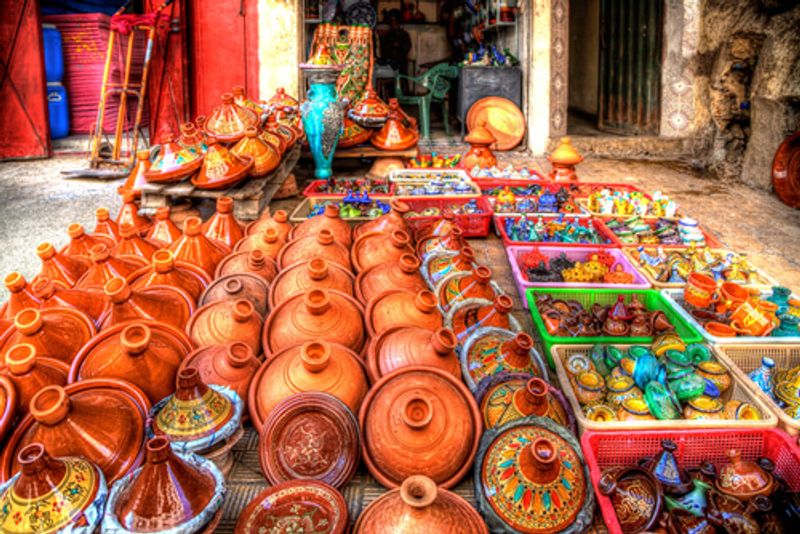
303,276
312,366
329,220
635,495
163,231
322,246
665,468
81,243
221,168
402,273
403,346
101,421
191,138
375,248
468,316
9,401
104,224
71,490
383,166
370,110
224,322
241,99
239,286
281,100
394,135
353,134
248,262
313,315
106,267
399,307
275,509
419,418
448,243
21,295
419,506
91,303
132,244
171,492
162,304
135,180
436,267
564,158
145,353
270,137
460,286
394,220
195,248
268,242
231,365
743,479
60,268
491,351
229,121
320,425
57,333
174,162
440,226
165,271
266,157
29,373
223,226
129,214
286,133
279,220
479,154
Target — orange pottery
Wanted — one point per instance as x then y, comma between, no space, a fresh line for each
458,287
329,220
303,276
322,245
8,406
105,225
376,248
700,290
394,134
403,273
400,307
165,271
223,226
239,286
195,248
479,154
174,162
221,169
92,303
404,346
229,121
60,268
163,231
80,243
129,213
135,180
353,134
192,139
279,220
132,244
268,242
29,373
393,220
231,365
106,267
162,304
57,333
564,159
250,261
266,157
224,322
21,295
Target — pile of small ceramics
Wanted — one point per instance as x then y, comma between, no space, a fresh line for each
350,186
434,161
620,202
551,230
531,199
596,268
636,230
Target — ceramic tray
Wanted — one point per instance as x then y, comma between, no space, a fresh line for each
427,175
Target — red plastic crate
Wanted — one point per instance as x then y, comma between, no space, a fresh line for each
598,226
473,225
711,240
626,448
553,187
313,190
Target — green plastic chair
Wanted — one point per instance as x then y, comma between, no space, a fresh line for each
436,85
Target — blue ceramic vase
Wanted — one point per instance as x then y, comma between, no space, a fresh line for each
323,117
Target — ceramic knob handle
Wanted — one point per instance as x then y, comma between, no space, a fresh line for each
242,310
157,450
417,412
315,356
444,341
163,261
269,236
317,301
418,491
239,354
325,236
135,338
117,290
280,216
538,461
400,239
101,214
426,301
45,251
99,253
256,260
162,213
318,269
15,282
21,358
43,288
192,226
50,405
32,459
28,321
233,286
75,230
409,264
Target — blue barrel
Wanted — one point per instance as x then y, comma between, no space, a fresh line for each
59,110
53,53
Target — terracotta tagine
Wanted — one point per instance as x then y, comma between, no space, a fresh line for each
282,100
239,286
322,245
507,397
383,166
268,242
419,416
248,262
310,436
316,273
226,321
370,111
329,220
394,135
195,248
129,214
315,314
105,267
448,243
479,154
57,333
299,505
491,351
163,231
312,366
223,226
105,225
192,138
165,271
221,168
145,353
466,317
353,134
53,494
270,137
530,476
174,163
52,295
135,180
439,226
20,295
29,373
399,307
376,248
403,346
287,134
101,421
636,496
279,220
231,365
241,99
402,273
564,159
436,267
229,121
743,479
132,244
419,506
171,492
9,401
60,267
394,220
162,304
460,286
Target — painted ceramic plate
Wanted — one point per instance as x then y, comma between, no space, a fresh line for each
502,117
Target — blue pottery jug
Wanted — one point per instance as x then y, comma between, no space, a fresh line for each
323,117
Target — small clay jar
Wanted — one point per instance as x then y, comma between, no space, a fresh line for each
440,226
391,221
238,286
316,273
91,303
250,262
81,243
195,248
129,214
402,346
715,373
29,373
106,267
376,248
223,226
399,307
105,225
57,333
224,322
163,231
402,273
322,245
279,220
163,304
329,220
61,268
267,241
21,295
165,271
231,365
132,244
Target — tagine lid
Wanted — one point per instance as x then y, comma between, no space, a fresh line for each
310,436
480,135
102,420
30,372
197,415
164,269
232,364
462,285
489,351
370,111
330,220
282,99
300,505
173,163
221,168
322,245
8,406
380,278
419,417
107,266
471,314
530,476
398,306
394,135
71,490
236,286
419,506
248,261
316,273
160,303
565,153
225,321
393,220
402,346
229,121
56,332
743,479
375,248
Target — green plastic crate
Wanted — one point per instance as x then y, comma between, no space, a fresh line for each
652,299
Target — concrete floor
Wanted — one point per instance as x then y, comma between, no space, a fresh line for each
37,205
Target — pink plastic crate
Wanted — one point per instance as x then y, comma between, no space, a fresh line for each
626,448
574,254
604,232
